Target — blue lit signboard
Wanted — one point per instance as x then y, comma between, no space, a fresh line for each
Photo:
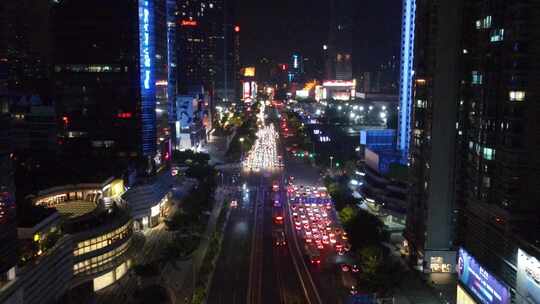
148,86
482,284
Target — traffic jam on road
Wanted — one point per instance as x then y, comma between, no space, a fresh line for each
315,222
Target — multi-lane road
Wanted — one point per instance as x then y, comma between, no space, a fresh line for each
263,258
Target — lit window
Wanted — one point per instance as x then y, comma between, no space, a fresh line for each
517,95
489,154
497,35
486,22
476,77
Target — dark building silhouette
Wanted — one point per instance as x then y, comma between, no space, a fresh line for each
339,48
111,78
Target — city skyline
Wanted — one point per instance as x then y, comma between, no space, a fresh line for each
300,152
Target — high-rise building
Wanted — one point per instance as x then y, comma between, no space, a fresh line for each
25,45
296,68
111,77
8,228
339,48
498,132
430,221
195,45
406,74
226,34
474,141
172,66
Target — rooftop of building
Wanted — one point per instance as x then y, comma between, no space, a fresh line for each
76,209
30,216
99,218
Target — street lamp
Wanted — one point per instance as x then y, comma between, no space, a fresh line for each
241,148
331,159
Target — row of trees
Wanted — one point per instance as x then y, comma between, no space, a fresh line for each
367,236
243,140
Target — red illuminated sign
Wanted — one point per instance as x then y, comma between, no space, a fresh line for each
188,23
124,115
237,29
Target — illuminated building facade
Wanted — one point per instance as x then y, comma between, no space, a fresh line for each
100,235
498,131
406,74
112,93
296,67
474,139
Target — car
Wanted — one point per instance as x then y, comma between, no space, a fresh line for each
279,238
234,204
313,255
355,268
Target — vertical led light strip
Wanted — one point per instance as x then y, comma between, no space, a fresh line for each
148,86
406,75
171,77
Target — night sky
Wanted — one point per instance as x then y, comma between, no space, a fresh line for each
276,28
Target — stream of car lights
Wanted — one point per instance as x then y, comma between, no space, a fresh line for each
263,155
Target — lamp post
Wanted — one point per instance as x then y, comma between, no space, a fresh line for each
241,149
331,159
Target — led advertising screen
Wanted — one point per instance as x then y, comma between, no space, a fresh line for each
528,278
482,284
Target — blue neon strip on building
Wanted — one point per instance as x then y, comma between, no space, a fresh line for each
406,75
148,86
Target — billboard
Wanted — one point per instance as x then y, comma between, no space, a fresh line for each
248,72
184,106
302,94
483,285
528,278
246,90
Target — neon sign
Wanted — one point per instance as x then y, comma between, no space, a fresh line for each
147,82
188,23
145,45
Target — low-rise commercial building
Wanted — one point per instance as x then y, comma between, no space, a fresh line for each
74,237
148,199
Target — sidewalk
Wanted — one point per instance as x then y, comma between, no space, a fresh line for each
181,275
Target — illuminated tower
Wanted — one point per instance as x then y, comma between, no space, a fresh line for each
406,75
112,93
